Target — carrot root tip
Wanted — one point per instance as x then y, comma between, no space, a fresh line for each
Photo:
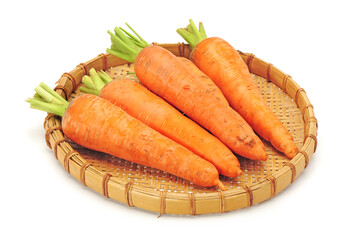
221,186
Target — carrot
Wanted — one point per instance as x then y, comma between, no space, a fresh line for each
97,124
156,113
222,63
210,86
164,74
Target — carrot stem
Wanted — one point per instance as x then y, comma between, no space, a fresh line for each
130,35
142,40
120,54
123,37
193,35
46,107
53,93
120,44
103,75
187,36
56,109
99,84
87,81
141,43
95,82
189,28
126,45
90,91
37,96
46,96
44,100
202,31
113,47
195,31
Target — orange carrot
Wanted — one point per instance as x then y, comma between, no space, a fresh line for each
165,75
222,63
210,86
152,110
97,124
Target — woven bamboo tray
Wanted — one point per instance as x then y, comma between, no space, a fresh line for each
154,190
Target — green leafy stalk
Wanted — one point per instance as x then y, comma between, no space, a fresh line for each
113,47
191,34
140,38
37,96
53,93
87,81
195,31
190,28
187,36
124,38
136,40
46,107
95,82
122,55
46,95
201,30
103,75
122,46
89,91
48,100
126,45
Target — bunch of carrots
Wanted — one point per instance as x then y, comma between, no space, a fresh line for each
144,123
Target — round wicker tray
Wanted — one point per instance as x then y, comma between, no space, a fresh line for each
154,190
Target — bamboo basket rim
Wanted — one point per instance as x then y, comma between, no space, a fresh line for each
77,166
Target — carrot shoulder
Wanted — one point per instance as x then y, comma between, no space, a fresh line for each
97,124
152,110
222,63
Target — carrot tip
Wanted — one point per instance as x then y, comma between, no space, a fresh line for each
239,172
221,186
291,153
263,156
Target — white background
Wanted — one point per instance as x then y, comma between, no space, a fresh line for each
316,42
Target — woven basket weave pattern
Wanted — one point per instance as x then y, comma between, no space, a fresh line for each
161,192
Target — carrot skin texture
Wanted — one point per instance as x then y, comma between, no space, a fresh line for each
156,113
222,63
164,74
210,85
97,124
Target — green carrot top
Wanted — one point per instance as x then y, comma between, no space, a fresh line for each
191,34
125,45
95,81
47,100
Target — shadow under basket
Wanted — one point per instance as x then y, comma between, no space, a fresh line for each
157,191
